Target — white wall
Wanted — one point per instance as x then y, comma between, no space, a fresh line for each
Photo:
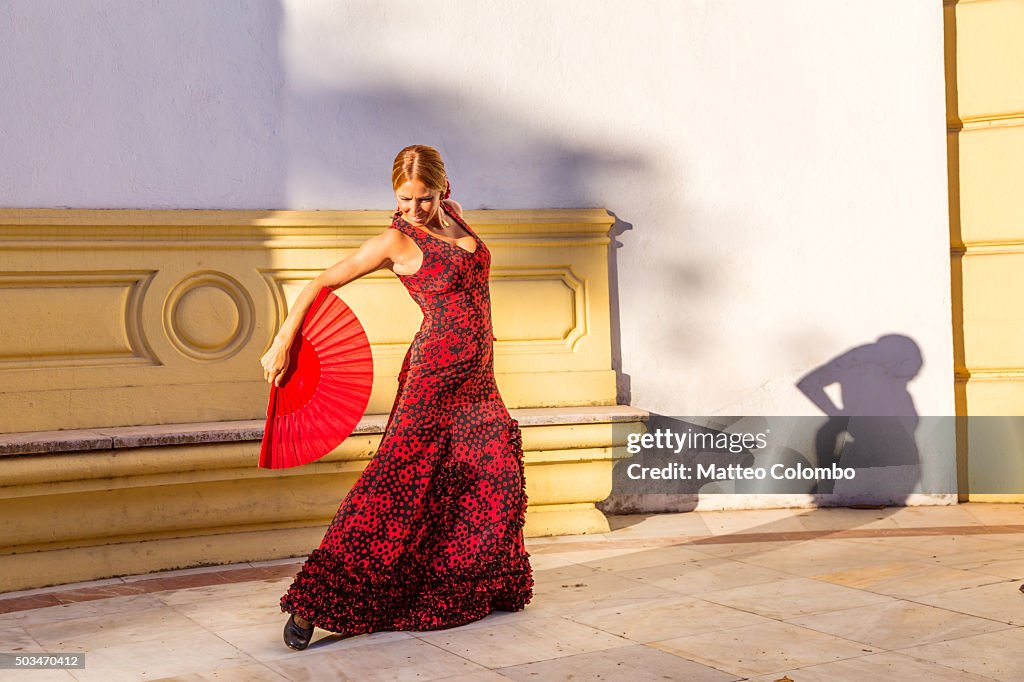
778,169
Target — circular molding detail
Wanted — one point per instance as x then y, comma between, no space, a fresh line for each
209,316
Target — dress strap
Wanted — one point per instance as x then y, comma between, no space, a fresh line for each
465,226
422,240
399,224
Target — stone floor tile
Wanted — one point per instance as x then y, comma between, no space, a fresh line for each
174,654
584,556
907,579
17,640
1015,539
1001,601
1011,570
499,618
699,577
926,547
996,655
41,675
554,576
29,603
634,663
783,599
257,606
736,547
563,539
565,589
123,628
665,618
399,659
528,641
547,562
885,666
269,589
266,643
253,672
651,571
978,560
658,525
897,624
87,609
840,518
481,676
968,560
624,560
62,588
761,649
753,521
996,514
922,517
811,557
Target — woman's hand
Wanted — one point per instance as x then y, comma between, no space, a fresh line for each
377,252
275,362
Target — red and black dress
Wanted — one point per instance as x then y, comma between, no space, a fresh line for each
431,534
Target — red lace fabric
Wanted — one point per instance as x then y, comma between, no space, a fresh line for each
431,534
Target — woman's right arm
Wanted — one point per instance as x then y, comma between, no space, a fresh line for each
377,252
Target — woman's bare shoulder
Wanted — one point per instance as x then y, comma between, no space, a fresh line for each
386,242
392,236
455,206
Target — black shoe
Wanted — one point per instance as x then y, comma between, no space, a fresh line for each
295,637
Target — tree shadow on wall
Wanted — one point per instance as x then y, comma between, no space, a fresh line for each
494,157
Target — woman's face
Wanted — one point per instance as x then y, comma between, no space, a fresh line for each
416,203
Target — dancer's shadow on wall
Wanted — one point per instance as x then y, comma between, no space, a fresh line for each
870,431
872,428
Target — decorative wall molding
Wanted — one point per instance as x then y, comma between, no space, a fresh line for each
131,317
43,329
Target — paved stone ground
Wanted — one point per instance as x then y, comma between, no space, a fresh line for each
915,593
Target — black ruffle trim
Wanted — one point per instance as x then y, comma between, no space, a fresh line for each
516,442
333,598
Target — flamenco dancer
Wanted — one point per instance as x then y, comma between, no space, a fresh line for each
431,534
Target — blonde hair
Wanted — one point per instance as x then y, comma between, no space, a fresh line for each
419,162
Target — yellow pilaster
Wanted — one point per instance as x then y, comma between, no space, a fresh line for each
985,115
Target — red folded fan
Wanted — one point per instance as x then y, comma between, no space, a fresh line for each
325,388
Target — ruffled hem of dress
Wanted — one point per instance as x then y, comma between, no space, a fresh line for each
329,595
516,442
332,596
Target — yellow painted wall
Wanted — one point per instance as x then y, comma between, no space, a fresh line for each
985,116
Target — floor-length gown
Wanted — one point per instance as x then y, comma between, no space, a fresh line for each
431,534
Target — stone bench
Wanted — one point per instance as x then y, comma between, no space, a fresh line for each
85,504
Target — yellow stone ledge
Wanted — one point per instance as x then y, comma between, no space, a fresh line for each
74,440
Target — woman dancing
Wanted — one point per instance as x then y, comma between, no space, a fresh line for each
431,534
